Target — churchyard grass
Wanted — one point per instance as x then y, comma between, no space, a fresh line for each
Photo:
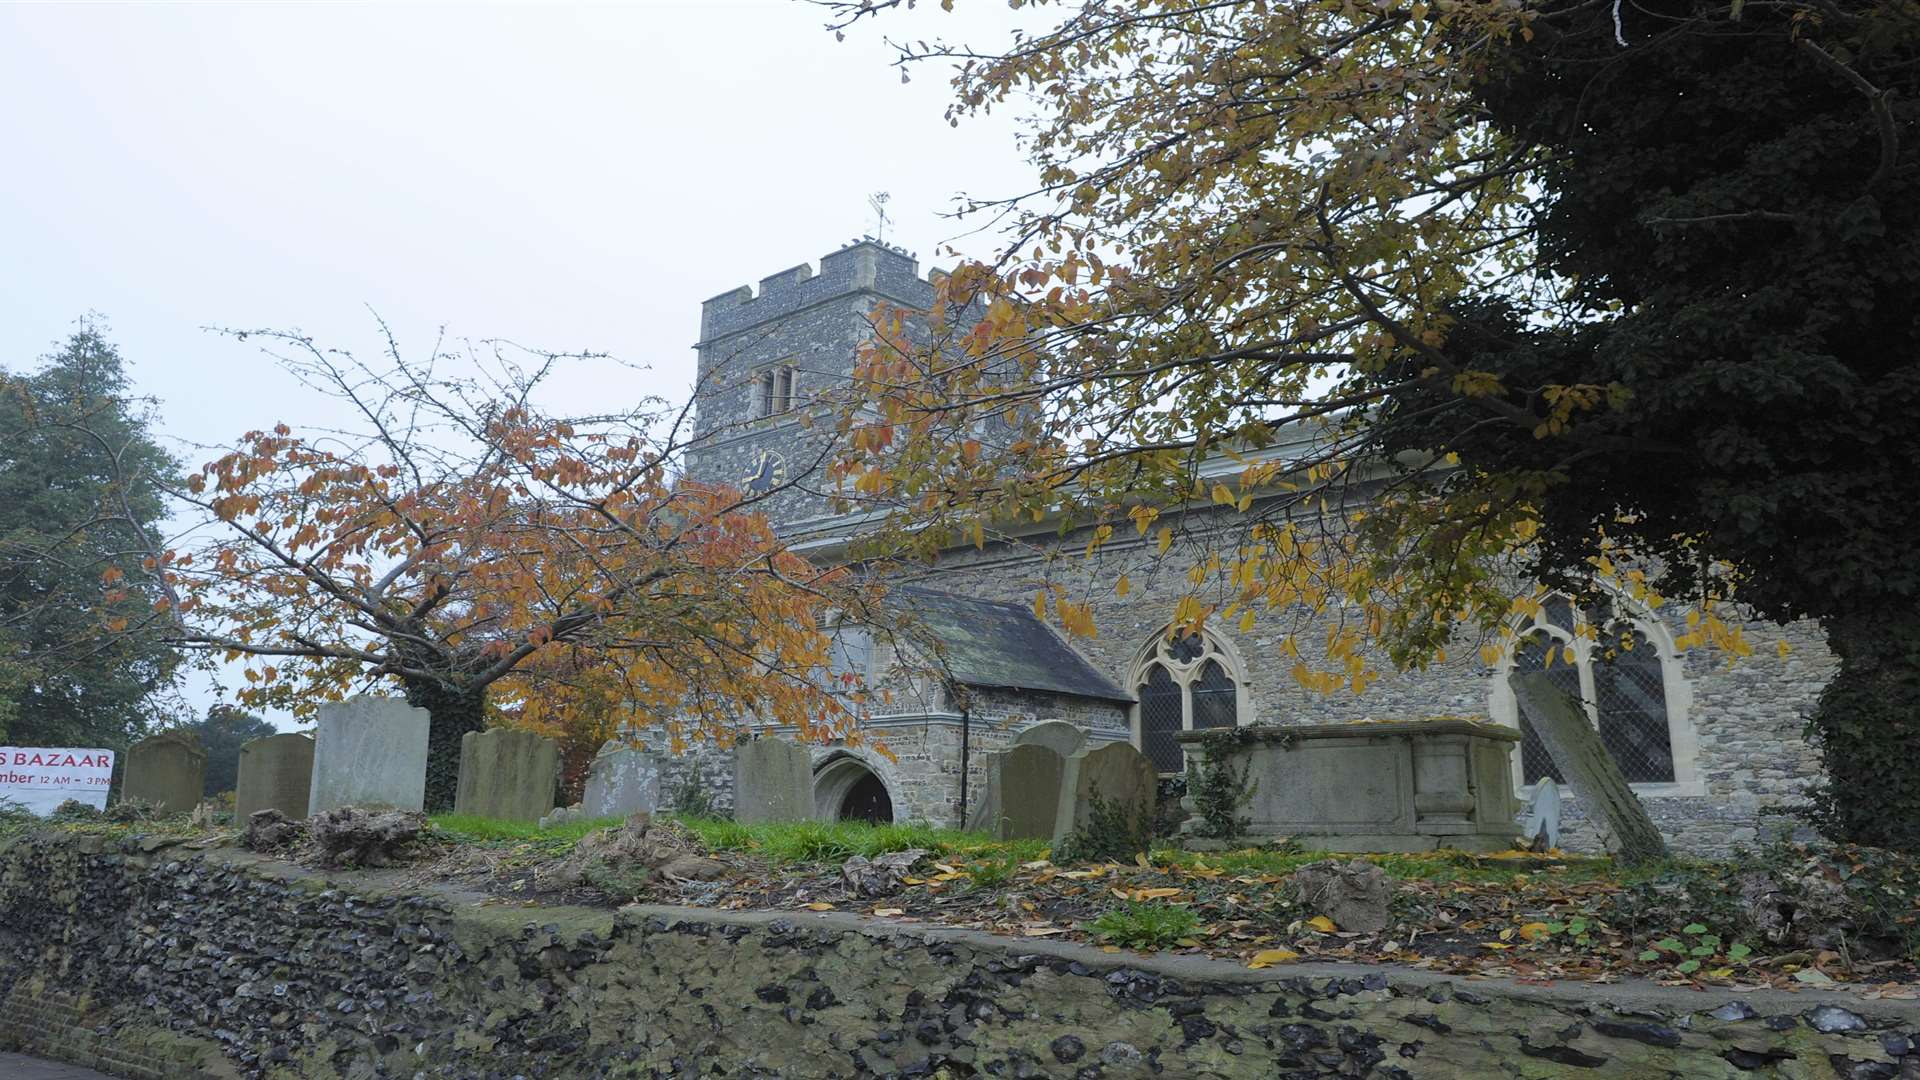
475,827
821,841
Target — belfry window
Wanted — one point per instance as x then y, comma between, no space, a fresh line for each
776,390
1184,684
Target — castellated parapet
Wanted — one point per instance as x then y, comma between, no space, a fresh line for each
864,266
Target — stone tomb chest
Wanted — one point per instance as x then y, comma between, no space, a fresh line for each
1398,786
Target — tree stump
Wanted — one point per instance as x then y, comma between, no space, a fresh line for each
1576,748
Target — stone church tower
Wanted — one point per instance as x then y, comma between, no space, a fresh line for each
763,355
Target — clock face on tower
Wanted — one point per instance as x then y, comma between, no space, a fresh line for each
769,472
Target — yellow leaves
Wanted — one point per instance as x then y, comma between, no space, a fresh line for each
1534,931
1269,957
1166,538
818,905
888,912
1476,384
1322,924
1122,586
1159,893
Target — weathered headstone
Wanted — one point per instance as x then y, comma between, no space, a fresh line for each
772,781
40,778
1540,828
621,780
369,751
506,774
1059,736
276,773
1121,776
1029,786
168,770
1056,735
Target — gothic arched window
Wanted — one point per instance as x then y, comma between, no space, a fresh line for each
1623,670
1184,684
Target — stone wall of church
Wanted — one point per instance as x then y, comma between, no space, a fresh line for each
1747,716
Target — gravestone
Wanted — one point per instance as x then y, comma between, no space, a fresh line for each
1059,736
1029,786
506,774
168,770
369,751
276,773
1120,775
1056,735
1540,828
772,781
623,779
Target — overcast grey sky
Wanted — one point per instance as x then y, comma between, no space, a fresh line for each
570,177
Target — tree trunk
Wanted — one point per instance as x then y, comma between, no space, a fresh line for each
1576,748
1867,729
452,711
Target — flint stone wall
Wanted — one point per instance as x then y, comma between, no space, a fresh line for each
172,964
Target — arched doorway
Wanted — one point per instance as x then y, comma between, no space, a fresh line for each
845,789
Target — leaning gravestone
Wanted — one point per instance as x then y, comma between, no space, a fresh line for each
370,751
772,781
1122,777
1029,786
506,774
276,773
168,770
623,779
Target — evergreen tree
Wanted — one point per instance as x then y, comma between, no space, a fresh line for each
222,733
84,655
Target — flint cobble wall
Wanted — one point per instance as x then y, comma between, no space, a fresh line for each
219,965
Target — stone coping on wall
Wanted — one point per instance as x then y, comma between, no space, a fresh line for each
1359,729
1627,994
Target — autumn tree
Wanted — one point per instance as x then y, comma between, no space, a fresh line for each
1364,251
483,555
80,500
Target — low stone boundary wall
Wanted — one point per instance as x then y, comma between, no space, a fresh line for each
184,964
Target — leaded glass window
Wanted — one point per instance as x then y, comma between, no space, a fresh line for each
1188,684
1161,706
1611,667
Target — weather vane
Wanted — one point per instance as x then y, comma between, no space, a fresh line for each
878,200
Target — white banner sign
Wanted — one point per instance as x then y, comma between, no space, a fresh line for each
40,778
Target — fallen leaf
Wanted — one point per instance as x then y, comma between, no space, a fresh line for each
888,911
1041,931
1535,931
1270,957
1322,924
1154,894
819,905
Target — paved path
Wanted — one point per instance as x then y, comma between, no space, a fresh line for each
22,1067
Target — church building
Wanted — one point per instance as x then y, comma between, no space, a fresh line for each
1708,745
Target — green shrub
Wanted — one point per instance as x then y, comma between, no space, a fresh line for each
1218,794
1136,925
1110,832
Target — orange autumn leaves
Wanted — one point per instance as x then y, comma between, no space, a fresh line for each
564,570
